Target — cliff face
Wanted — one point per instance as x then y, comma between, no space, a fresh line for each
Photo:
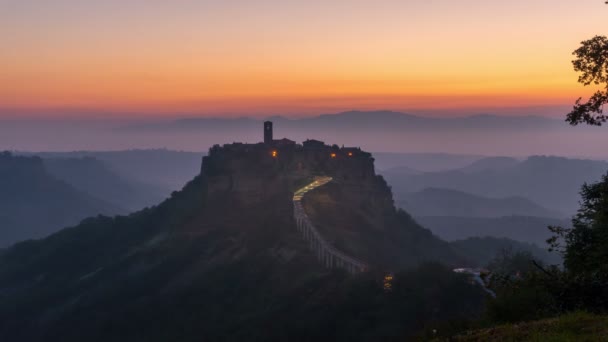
256,172
355,212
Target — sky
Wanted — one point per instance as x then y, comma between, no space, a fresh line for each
176,58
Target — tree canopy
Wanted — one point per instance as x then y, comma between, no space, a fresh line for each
592,62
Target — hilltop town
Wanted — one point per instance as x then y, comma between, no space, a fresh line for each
310,158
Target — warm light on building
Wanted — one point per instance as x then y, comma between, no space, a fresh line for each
333,155
388,282
275,154
350,154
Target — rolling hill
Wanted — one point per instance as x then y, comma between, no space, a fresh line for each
93,177
552,182
34,204
446,202
520,228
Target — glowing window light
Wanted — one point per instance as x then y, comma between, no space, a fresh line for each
274,154
350,154
333,155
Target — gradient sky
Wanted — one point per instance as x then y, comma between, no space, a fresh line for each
177,57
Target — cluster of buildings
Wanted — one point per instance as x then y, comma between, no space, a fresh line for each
310,144
312,157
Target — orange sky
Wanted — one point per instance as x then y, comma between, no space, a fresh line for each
289,57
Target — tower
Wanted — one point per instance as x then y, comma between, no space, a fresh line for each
268,132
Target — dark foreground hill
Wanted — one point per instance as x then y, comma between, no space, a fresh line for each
222,260
34,204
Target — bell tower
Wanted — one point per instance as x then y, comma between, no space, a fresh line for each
268,132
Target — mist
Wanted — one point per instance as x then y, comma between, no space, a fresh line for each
381,131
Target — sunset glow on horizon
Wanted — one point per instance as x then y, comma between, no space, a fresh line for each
289,58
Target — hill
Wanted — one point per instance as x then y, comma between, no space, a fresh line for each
93,177
414,163
552,182
520,228
34,204
446,202
491,163
222,259
482,250
162,169
384,131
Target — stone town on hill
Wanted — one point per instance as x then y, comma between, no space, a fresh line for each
311,157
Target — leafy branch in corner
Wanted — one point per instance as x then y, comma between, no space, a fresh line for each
592,62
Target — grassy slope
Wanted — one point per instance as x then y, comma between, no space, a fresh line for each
578,326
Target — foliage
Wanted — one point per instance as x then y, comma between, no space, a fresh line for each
592,61
581,285
586,243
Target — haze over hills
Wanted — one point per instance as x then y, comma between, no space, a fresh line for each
422,162
93,177
383,131
455,215
527,229
34,204
484,250
163,169
552,182
490,163
446,202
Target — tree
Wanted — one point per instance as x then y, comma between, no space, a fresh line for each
586,243
585,247
592,61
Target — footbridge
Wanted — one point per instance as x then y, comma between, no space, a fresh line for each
327,254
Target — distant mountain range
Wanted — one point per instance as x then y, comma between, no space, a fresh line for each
446,202
490,163
483,250
34,204
413,163
93,177
378,131
40,196
162,169
367,120
526,229
552,182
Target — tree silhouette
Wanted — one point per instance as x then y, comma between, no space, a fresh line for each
592,61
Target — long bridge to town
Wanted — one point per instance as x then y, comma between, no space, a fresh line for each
326,253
